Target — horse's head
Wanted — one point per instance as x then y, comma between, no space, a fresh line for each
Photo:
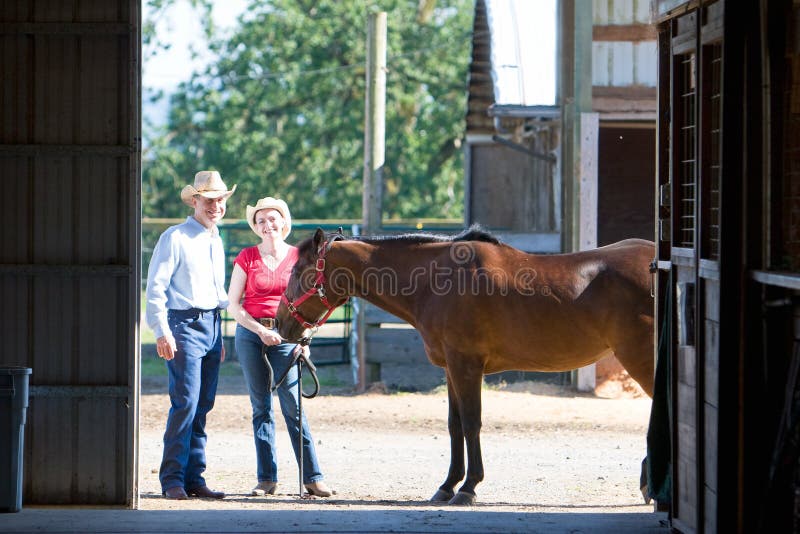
308,300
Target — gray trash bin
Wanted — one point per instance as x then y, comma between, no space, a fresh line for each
13,405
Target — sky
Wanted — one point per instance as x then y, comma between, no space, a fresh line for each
181,27
529,78
520,79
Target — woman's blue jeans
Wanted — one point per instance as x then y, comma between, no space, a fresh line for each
256,376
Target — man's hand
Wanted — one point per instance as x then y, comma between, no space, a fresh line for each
165,346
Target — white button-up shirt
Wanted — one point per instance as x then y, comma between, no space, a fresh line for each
187,270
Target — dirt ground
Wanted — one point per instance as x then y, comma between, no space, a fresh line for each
545,449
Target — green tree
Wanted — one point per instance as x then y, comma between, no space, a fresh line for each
281,110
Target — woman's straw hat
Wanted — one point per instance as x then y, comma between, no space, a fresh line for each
207,184
267,203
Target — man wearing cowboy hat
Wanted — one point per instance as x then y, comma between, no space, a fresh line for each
185,293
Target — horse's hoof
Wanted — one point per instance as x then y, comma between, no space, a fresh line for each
442,496
462,498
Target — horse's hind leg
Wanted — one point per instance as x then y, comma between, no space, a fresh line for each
635,353
456,472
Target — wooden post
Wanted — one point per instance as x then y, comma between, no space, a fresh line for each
374,154
587,180
375,124
576,98
578,164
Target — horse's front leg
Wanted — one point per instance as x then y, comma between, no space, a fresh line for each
466,385
456,472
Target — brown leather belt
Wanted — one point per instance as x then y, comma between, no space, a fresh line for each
269,322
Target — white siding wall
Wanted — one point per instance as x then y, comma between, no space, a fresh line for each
623,63
601,74
621,12
646,63
619,64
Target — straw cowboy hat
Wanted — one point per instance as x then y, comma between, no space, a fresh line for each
207,184
269,203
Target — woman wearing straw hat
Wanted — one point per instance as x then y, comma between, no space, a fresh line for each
185,292
259,278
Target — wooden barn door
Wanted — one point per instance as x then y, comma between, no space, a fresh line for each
625,170
70,224
689,179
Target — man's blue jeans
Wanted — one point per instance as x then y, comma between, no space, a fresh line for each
193,377
256,376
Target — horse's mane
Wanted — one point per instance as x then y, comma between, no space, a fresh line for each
473,233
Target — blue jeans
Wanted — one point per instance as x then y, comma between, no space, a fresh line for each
193,376
256,376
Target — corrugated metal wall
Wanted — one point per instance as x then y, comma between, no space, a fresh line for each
69,260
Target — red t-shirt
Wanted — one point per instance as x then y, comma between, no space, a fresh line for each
264,287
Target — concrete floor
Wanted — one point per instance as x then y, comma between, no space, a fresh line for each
83,520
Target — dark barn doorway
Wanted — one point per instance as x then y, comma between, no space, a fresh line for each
626,187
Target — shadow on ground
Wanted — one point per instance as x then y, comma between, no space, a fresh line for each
435,520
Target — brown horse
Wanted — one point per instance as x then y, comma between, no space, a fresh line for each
483,307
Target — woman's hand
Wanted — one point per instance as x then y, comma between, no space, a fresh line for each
305,349
269,337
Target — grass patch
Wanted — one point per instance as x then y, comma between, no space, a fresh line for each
147,336
326,376
153,367
156,367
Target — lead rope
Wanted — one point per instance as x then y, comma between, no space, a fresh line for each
299,358
300,424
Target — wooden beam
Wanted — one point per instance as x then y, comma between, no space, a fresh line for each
637,92
575,98
625,32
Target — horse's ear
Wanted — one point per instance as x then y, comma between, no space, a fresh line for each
319,237
341,232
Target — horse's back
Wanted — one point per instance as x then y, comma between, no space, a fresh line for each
641,246
622,269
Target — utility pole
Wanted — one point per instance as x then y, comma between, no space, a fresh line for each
374,156
375,124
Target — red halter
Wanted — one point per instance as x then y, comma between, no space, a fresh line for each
317,289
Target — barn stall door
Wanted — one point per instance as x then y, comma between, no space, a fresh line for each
689,247
69,264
